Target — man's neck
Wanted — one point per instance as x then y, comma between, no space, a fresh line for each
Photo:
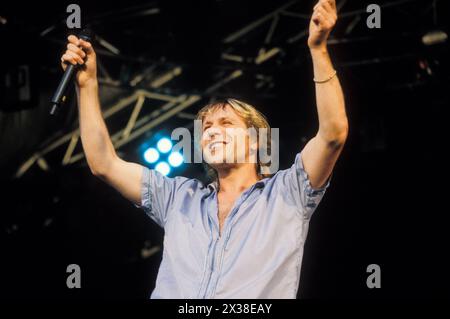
237,179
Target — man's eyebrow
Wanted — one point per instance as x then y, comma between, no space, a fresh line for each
220,119
225,118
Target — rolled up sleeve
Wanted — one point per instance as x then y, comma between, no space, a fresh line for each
298,186
158,193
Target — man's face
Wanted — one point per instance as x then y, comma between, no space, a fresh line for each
225,139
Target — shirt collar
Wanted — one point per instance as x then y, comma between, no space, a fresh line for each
213,186
259,184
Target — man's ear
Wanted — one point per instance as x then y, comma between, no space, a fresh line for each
253,151
253,147
253,140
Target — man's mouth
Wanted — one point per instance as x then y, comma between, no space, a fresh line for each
216,144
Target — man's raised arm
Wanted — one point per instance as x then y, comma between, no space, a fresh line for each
322,151
98,148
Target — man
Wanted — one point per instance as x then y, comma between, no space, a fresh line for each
241,236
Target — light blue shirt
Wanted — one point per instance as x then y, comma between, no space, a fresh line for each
259,253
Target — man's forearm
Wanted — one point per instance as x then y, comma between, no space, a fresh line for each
333,125
95,138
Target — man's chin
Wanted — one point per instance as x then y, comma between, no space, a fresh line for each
220,165
221,161
214,158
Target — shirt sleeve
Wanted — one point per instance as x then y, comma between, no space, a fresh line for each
296,182
158,193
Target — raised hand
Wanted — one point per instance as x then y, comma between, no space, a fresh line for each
322,22
81,52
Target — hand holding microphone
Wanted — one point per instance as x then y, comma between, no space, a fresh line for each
79,60
80,52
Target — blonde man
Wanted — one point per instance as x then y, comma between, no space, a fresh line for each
241,236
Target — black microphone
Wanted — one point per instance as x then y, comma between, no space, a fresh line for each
71,69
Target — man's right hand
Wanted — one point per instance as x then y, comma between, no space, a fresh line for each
80,52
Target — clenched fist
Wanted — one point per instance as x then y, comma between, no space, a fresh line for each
322,22
81,52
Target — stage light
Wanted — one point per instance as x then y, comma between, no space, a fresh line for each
175,159
163,168
164,145
151,155
434,37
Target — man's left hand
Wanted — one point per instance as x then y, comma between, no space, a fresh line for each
322,22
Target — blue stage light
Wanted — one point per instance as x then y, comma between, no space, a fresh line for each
175,159
164,145
163,168
151,155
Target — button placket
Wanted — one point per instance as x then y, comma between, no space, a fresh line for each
221,244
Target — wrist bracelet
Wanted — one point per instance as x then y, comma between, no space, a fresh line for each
326,80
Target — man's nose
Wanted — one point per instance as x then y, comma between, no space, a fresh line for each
213,133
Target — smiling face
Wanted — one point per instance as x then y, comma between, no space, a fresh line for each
240,133
226,140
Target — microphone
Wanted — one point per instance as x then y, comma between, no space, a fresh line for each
71,69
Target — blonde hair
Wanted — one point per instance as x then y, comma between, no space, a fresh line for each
253,118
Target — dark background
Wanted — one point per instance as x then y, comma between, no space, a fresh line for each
386,204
